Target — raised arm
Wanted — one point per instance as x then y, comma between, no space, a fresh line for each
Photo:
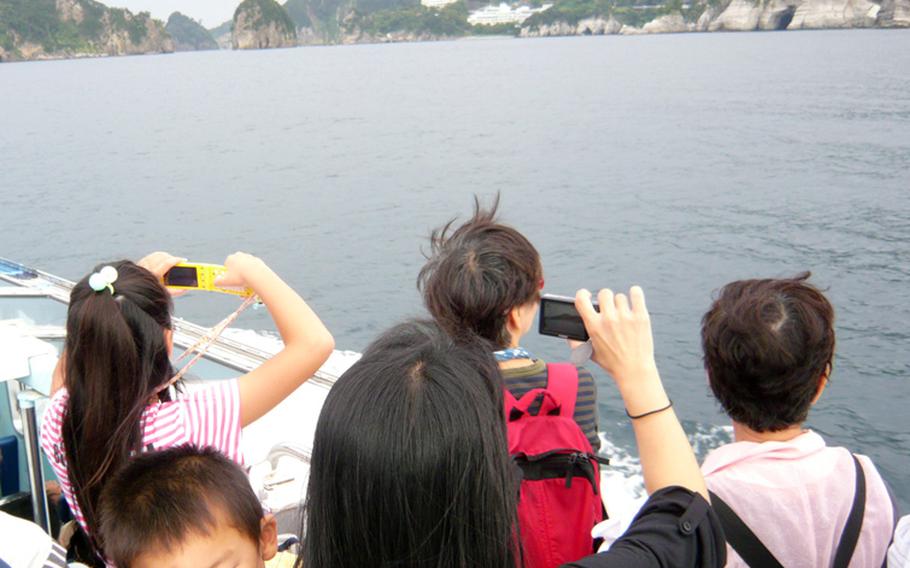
307,342
624,348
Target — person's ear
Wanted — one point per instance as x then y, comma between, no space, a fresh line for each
515,317
268,537
822,383
513,321
169,341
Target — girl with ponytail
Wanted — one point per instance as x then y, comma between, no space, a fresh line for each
112,399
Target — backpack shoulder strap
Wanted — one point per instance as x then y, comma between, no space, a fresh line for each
508,399
850,536
562,383
512,406
741,537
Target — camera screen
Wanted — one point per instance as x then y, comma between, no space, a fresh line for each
562,319
182,276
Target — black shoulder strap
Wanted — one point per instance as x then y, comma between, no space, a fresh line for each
850,536
741,537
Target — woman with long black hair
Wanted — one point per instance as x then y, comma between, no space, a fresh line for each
410,467
409,464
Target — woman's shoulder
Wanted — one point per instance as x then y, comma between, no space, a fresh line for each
59,398
584,375
53,414
586,382
206,414
52,428
197,398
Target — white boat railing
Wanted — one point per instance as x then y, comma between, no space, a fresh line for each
30,282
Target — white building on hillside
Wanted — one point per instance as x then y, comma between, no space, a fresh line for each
437,3
503,14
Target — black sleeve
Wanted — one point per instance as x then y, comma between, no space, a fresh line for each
675,528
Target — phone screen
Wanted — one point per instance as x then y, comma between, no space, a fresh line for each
182,276
561,319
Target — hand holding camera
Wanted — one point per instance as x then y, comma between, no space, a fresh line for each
620,333
232,278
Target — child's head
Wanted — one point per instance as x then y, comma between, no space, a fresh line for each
484,278
184,507
121,332
768,346
116,357
410,464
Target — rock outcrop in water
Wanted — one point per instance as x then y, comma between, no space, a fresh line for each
743,15
589,26
188,34
669,24
58,29
895,13
262,24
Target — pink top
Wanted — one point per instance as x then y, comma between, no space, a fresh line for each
207,417
796,495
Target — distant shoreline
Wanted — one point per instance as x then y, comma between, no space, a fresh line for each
45,57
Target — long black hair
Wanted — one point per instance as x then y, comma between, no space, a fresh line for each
410,466
116,358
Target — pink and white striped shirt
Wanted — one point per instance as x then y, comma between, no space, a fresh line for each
205,417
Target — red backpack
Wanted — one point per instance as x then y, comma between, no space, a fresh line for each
560,500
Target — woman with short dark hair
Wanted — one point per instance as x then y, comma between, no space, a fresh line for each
768,351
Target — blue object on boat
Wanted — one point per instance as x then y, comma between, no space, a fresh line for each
9,465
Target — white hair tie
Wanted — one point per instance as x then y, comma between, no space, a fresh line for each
103,279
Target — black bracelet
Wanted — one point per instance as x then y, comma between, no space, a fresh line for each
649,413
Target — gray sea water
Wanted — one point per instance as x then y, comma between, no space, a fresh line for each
676,162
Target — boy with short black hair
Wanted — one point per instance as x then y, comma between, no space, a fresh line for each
768,350
184,506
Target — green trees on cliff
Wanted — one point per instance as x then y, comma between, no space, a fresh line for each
450,21
269,12
37,22
67,26
188,34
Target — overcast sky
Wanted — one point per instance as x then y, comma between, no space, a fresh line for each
211,12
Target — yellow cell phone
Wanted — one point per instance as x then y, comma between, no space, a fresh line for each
200,276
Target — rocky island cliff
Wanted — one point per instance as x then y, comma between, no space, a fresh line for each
320,22
57,29
710,16
260,24
188,34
